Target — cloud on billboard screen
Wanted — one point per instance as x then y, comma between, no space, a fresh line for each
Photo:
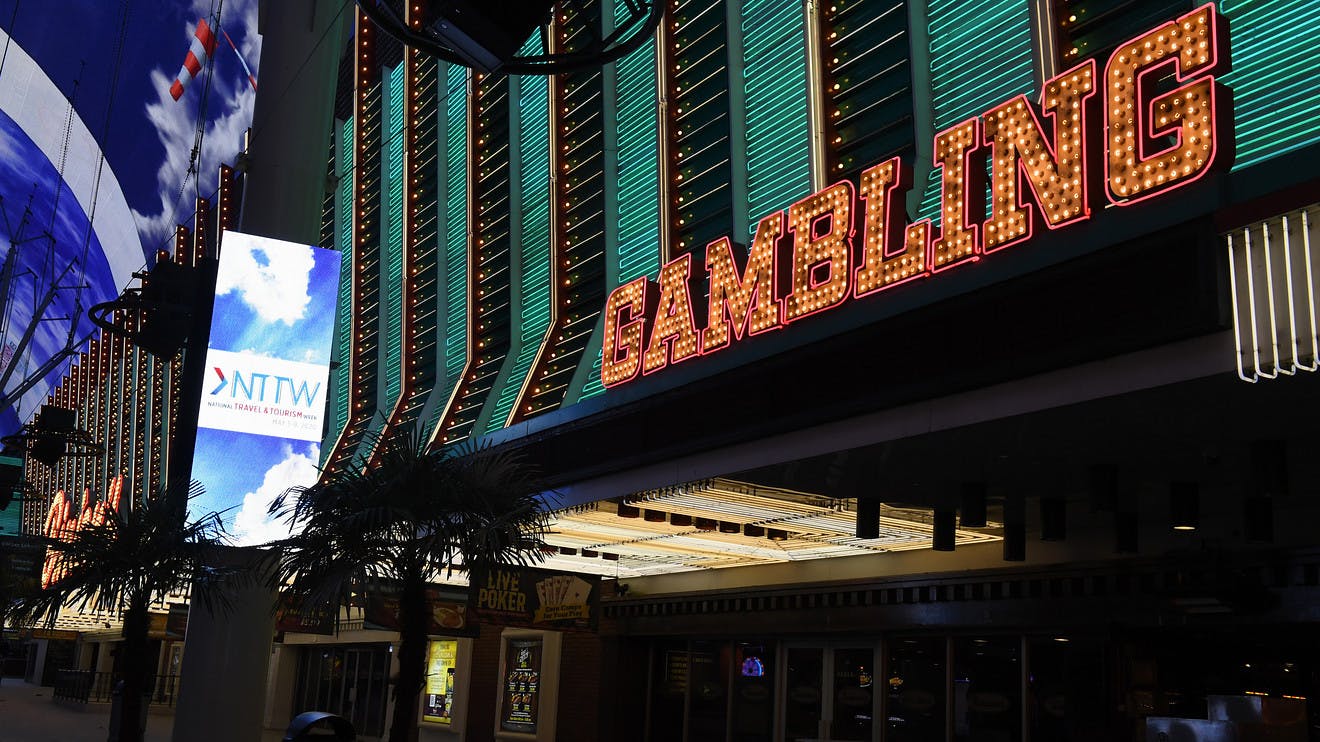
272,283
252,524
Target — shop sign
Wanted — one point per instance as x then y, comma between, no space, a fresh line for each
446,611
21,561
63,521
1112,131
290,617
534,598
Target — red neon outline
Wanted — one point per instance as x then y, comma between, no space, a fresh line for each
895,229
972,177
846,237
636,316
667,341
1217,38
740,330
1031,214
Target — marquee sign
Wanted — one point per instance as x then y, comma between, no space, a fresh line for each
1123,135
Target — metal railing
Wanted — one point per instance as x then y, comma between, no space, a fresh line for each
85,686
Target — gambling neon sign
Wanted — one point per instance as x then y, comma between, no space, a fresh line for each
1119,134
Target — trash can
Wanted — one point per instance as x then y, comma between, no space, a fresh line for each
319,725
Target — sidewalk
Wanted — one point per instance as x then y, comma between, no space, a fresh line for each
27,714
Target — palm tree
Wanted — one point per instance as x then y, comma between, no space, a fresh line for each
404,516
121,560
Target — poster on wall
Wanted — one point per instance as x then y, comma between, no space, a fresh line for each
522,686
534,598
441,664
259,420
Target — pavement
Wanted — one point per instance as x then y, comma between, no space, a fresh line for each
28,714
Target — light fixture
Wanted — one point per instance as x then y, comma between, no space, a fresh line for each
680,520
1184,506
1053,519
973,504
727,527
752,531
706,524
868,517
944,535
654,516
628,511
774,534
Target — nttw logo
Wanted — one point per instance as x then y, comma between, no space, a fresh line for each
254,387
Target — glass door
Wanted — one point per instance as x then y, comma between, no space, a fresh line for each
828,693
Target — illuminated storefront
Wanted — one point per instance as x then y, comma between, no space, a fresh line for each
887,359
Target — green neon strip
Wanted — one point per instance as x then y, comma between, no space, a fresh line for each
392,301
639,165
775,73
637,126
976,61
1275,108
454,172
344,304
533,307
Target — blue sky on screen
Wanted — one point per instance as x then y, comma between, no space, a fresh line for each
62,56
278,302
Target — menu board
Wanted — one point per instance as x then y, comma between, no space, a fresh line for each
441,662
522,685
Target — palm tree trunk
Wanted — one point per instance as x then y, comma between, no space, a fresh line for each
413,623
136,668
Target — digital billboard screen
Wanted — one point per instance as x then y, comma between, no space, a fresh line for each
263,399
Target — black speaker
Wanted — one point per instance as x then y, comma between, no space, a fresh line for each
1053,519
487,33
1015,529
973,504
945,536
868,517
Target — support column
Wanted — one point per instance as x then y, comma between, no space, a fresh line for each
222,696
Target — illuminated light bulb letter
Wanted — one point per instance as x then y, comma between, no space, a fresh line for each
674,331
1052,168
962,193
884,262
746,304
625,325
822,239
1195,48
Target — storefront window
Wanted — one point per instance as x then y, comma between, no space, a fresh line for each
802,700
987,689
709,696
1067,689
669,684
916,683
348,680
853,694
753,691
